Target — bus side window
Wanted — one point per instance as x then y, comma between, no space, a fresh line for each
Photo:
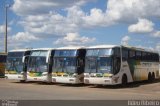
117,52
144,56
132,54
124,54
156,57
138,55
116,60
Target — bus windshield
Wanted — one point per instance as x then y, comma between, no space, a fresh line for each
98,65
14,62
37,64
65,64
37,61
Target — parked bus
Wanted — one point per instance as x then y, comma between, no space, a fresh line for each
3,57
39,65
16,64
69,65
111,64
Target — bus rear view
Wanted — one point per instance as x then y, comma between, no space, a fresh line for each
69,65
16,64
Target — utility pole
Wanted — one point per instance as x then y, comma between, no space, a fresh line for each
6,29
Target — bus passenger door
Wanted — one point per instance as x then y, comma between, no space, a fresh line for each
116,61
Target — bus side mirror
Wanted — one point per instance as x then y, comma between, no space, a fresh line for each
49,59
23,59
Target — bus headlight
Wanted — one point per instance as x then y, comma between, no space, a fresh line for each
106,80
44,74
21,73
74,75
71,80
54,75
109,76
86,76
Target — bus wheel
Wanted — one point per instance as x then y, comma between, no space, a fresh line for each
124,80
149,77
6,77
22,81
153,76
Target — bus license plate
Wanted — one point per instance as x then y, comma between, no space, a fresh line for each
53,80
19,77
86,81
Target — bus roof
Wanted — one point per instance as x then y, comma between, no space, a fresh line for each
129,47
19,50
70,48
140,49
44,49
102,46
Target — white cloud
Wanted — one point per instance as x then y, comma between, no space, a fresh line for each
130,10
19,40
33,7
74,39
125,40
147,48
57,24
50,24
143,26
38,17
125,11
2,29
98,18
116,9
156,34
22,37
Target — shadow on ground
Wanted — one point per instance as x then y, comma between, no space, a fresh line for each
129,85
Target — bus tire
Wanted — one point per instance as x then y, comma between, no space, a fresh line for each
149,77
22,81
124,80
153,76
6,77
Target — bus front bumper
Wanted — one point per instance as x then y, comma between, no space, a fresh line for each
14,76
39,78
67,80
98,81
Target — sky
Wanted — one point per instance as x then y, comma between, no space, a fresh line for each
58,23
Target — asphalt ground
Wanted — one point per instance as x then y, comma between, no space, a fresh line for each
14,90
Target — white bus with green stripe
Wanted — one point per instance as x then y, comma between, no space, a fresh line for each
16,64
39,66
112,64
69,63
